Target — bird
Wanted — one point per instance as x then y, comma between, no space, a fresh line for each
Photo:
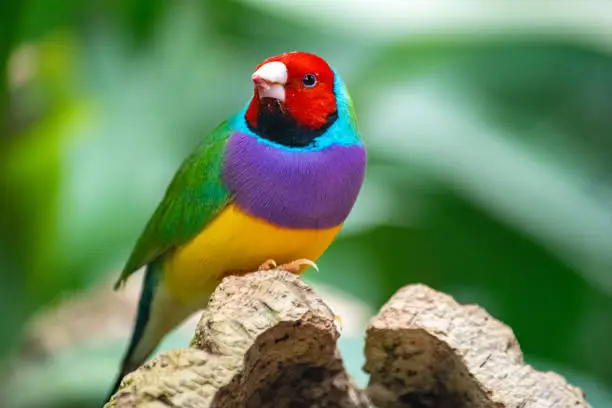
268,188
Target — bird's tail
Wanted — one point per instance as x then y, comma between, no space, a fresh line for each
138,351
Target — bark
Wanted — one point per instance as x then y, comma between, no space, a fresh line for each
265,340
426,350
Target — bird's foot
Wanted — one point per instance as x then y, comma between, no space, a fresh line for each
296,266
267,265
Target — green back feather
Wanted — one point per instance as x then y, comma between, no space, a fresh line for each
193,198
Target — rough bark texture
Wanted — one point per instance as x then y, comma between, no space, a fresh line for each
265,340
425,350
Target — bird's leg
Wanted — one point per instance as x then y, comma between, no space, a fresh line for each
296,266
293,266
267,265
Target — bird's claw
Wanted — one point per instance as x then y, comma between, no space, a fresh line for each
267,265
296,266
293,266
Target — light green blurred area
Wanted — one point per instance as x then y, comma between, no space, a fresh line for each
489,128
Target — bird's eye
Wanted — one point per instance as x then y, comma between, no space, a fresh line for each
309,80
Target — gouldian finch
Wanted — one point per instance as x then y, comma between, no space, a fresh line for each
271,185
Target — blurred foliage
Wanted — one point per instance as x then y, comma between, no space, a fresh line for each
490,152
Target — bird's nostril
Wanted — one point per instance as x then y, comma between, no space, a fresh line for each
260,82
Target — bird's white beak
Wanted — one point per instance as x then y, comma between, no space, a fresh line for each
270,80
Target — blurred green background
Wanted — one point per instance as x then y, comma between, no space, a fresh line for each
489,127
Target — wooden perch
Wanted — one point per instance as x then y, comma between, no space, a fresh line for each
265,340
425,350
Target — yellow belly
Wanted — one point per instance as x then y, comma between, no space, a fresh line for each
236,242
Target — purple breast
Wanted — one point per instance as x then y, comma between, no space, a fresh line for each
307,189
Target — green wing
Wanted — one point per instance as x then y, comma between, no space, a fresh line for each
193,198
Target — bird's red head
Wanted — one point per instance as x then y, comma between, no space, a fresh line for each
294,98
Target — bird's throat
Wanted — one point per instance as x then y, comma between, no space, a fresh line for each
275,123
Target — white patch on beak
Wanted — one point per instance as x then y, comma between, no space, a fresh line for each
270,80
